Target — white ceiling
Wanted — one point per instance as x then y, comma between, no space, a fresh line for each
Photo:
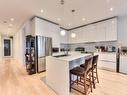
91,10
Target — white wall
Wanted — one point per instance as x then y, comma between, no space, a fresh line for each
19,46
19,41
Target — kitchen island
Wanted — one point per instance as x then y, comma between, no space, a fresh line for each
57,70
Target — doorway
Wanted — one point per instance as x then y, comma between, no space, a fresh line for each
7,47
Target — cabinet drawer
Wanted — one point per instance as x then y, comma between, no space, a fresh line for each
109,65
108,57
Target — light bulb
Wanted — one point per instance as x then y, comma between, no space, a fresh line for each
73,35
62,32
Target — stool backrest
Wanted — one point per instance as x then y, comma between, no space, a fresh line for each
95,60
88,64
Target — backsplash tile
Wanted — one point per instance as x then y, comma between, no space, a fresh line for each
90,47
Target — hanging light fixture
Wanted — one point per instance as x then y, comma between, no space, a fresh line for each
62,32
73,35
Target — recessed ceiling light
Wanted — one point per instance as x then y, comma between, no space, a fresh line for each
108,1
12,19
42,10
69,24
59,19
113,22
111,9
10,25
9,29
83,19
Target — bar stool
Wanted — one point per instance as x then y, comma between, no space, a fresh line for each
94,70
95,62
83,77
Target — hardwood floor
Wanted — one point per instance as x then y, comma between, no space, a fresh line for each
15,81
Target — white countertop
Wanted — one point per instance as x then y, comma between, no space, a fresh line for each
72,56
104,52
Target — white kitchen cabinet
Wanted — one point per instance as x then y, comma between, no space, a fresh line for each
78,37
123,64
47,29
107,61
84,34
64,39
102,31
111,30
90,33
70,40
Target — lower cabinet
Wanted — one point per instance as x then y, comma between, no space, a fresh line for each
123,64
107,61
107,65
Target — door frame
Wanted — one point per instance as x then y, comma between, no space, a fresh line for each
11,44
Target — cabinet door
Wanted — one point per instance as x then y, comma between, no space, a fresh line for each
107,61
78,38
92,33
64,39
84,35
100,31
111,30
123,64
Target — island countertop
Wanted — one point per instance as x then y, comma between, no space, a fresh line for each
72,56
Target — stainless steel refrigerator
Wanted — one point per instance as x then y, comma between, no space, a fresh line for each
43,48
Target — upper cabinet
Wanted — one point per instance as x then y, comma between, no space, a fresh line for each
64,38
111,30
101,31
47,29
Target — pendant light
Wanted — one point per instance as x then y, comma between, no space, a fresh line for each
62,32
73,35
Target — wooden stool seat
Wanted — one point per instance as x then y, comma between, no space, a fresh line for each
79,71
82,65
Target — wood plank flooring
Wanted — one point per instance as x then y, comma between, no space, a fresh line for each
15,81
